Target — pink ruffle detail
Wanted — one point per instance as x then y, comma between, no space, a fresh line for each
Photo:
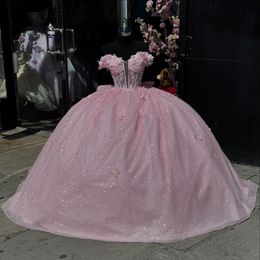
144,56
104,62
137,62
111,62
140,60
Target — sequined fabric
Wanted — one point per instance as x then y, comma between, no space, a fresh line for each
131,164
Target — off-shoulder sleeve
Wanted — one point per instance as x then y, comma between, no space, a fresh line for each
147,57
104,62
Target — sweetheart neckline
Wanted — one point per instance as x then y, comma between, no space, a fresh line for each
133,55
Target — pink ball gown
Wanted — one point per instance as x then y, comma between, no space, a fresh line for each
130,163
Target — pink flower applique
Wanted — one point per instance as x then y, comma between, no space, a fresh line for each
104,62
138,61
111,62
148,59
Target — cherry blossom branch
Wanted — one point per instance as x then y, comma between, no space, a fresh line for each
162,40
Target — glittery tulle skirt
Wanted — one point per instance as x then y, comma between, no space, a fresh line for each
131,165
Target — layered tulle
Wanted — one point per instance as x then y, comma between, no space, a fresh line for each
131,165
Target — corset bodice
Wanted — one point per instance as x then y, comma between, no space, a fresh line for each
126,73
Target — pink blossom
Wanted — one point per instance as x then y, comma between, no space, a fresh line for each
164,43
162,25
149,4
